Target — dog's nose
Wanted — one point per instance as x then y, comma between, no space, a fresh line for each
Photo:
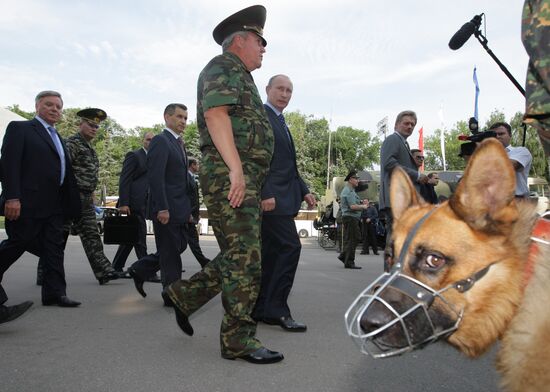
375,316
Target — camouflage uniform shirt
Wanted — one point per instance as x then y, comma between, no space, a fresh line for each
535,34
85,163
226,81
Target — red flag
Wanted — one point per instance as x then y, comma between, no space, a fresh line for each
421,144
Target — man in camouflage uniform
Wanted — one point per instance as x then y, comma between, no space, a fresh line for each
536,39
237,145
86,167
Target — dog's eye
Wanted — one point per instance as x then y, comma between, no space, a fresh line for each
435,261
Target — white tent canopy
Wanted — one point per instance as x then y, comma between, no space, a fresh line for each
6,116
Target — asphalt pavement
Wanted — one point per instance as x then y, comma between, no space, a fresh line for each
118,341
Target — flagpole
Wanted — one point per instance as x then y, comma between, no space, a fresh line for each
442,136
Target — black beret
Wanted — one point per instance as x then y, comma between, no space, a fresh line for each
249,19
92,114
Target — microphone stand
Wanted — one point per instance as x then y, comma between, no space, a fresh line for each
483,41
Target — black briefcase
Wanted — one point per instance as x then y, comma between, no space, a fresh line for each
121,230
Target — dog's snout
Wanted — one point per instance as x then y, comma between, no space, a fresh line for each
375,316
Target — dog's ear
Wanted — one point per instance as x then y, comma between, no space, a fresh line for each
402,192
484,195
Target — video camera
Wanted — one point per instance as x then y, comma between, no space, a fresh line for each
476,135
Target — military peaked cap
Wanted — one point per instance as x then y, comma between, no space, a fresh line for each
92,114
352,173
249,19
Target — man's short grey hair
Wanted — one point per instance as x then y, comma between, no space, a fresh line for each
47,93
229,40
405,113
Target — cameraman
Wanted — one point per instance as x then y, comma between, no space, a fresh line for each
519,156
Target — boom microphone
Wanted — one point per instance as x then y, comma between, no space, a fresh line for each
465,32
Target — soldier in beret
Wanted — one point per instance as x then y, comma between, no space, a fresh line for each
351,207
86,169
236,141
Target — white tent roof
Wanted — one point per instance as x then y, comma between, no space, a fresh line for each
6,116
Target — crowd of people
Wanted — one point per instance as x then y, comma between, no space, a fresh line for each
250,185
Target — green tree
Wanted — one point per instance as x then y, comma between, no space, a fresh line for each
17,110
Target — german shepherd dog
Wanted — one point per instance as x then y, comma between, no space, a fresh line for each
459,274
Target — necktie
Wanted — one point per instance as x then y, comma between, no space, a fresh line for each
407,144
60,152
283,123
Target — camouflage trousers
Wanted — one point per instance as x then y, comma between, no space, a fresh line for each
86,228
235,271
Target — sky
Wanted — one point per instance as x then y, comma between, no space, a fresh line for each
352,62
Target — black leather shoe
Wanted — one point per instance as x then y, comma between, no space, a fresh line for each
286,323
138,282
183,322
9,313
364,253
108,276
63,301
167,301
353,266
181,318
154,279
123,274
261,356
341,258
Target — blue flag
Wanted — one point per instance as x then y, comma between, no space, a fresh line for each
477,94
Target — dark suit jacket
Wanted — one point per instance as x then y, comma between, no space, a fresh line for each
167,178
283,180
133,185
31,169
394,152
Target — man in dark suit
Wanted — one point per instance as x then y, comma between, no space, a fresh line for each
395,152
132,191
282,195
38,190
191,227
168,205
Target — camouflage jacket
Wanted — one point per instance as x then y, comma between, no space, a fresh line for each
226,81
85,163
535,33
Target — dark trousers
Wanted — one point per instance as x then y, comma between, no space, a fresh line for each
193,241
281,249
140,247
352,235
43,237
171,242
387,249
369,237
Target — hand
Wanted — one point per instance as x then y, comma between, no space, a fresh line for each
163,216
12,209
310,200
268,204
125,210
423,179
237,188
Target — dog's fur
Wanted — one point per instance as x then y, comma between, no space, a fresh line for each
483,224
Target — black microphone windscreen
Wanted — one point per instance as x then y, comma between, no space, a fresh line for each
462,35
